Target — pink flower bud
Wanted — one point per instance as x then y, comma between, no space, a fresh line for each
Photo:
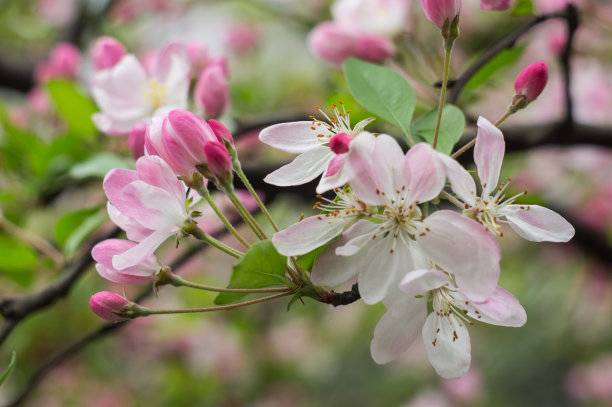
495,4
218,160
332,43
106,305
38,101
136,140
374,48
179,138
531,81
339,143
106,52
63,62
242,36
438,11
212,92
198,55
221,131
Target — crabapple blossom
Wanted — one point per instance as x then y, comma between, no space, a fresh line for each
212,92
532,222
444,331
128,95
103,254
380,17
528,85
311,140
106,52
148,203
441,11
223,134
136,140
63,62
495,4
106,305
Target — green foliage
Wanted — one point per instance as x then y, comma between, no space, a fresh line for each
506,58
9,369
451,128
382,91
262,266
18,260
98,166
73,228
307,260
73,107
523,8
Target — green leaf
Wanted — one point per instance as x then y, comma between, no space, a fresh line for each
523,8
9,369
18,260
451,128
73,107
382,91
260,267
73,228
98,166
307,260
504,59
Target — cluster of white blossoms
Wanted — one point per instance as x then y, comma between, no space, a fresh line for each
385,228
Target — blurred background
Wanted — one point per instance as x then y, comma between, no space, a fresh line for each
52,161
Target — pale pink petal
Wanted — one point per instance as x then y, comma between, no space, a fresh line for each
302,169
502,308
155,171
395,333
141,251
387,160
449,355
120,277
461,181
359,234
464,248
488,154
114,182
153,207
362,176
423,173
134,230
104,251
538,224
379,268
419,282
308,234
295,137
337,180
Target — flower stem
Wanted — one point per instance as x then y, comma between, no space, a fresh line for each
473,141
180,282
247,184
219,308
203,191
205,237
447,57
246,215
452,199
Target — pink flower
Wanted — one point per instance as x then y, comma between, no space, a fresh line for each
107,305
142,272
63,62
444,331
223,134
149,204
178,137
212,91
136,140
199,56
106,52
242,36
219,161
311,140
439,11
495,4
531,222
128,95
531,81
384,18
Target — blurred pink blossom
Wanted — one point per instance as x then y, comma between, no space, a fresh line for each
64,62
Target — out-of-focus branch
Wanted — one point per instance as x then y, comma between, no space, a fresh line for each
572,22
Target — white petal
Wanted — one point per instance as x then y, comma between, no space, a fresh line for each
360,234
423,172
461,181
395,333
308,234
302,169
419,282
295,137
380,268
451,354
142,250
387,161
362,176
488,154
538,224
502,308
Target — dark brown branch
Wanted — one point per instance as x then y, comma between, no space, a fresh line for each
345,298
571,18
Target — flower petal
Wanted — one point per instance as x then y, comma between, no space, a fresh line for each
461,181
387,160
308,234
502,308
302,169
155,171
361,173
448,347
134,230
538,224
395,333
152,207
419,282
337,179
142,250
488,154
295,137
379,268
423,172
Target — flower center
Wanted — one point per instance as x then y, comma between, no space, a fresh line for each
155,94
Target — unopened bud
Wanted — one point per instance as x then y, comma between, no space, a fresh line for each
211,94
106,52
531,81
114,308
223,134
441,11
219,162
339,143
495,4
374,48
136,140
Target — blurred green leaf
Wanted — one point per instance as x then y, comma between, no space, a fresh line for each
99,165
523,8
73,107
502,60
451,128
73,228
382,91
9,369
261,266
18,260
307,260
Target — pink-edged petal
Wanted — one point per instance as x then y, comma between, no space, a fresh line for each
155,171
302,169
538,224
141,251
502,308
361,173
122,278
308,234
461,181
488,154
134,230
114,182
395,333
423,173
464,248
104,251
419,282
337,180
153,207
448,346
387,160
295,137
